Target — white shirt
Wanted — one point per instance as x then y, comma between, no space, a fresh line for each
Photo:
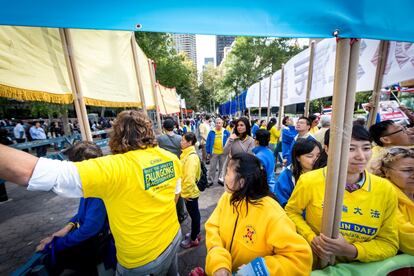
61,177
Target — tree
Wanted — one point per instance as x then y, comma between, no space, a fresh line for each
253,58
172,69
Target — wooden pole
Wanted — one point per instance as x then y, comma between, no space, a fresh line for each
154,92
268,98
260,100
347,133
310,74
281,107
138,73
379,74
248,110
79,103
336,133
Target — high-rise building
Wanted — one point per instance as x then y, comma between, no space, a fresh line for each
221,43
208,61
186,43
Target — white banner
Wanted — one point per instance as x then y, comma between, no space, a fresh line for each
400,63
323,69
296,75
274,99
400,67
252,97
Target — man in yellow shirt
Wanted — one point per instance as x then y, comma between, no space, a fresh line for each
368,229
216,140
139,185
204,130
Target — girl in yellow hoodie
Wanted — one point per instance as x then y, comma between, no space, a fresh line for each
249,225
397,165
189,190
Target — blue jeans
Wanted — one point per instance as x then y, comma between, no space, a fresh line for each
165,264
192,208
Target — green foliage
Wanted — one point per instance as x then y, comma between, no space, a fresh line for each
42,109
253,58
172,69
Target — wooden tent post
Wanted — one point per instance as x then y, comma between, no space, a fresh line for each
268,98
80,106
138,73
260,100
309,82
154,92
281,107
379,74
347,133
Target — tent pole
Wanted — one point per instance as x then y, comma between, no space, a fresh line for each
269,97
260,100
310,75
248,110
138,73
347,134
342,61
281,107
379,74
154,92
80,107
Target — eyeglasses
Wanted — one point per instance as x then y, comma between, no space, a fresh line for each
395,132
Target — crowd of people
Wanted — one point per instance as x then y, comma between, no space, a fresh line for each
262,217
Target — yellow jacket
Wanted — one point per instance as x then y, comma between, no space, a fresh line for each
274,135
405,220
191,173
264,231
368,214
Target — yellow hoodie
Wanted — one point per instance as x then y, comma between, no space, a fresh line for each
405,220
265,231
368,214
191,173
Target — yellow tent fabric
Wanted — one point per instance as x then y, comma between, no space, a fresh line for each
167,100
106,69
145,75
32,65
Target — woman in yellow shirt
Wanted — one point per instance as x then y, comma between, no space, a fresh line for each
189,190
248,227
274,134
397,165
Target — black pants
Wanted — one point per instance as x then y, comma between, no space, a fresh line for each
192,207
82,258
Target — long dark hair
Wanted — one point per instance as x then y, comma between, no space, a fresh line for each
249,169
271,123
301,147
246,122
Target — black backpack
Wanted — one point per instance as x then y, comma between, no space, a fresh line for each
202,182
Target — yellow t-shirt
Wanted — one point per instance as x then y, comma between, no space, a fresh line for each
218,142
191,174
314,129
138,189
368,214
274,135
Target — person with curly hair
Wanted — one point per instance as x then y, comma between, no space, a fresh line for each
397,165
139,184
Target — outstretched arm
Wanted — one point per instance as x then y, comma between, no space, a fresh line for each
16,166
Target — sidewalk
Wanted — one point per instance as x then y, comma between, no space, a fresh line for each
28,217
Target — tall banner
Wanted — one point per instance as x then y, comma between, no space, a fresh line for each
400,63
296,75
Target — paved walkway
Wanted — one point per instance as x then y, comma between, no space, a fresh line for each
30,216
